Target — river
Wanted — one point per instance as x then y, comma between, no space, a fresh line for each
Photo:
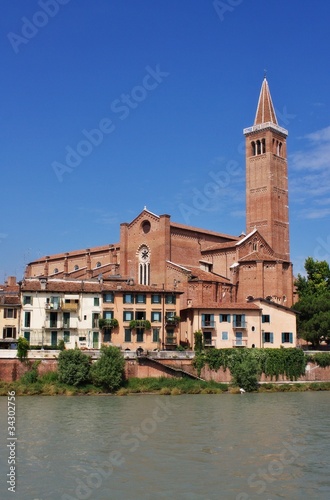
189,447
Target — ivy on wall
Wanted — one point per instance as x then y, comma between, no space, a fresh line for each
289,362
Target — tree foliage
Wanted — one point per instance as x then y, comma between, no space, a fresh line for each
314,302
23,347
73,367
198,338
108,371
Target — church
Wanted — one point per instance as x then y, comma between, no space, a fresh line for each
237,290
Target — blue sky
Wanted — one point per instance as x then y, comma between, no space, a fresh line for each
107,107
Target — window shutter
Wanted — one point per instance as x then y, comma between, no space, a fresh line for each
212,317
228,318
271,338
243,319
283,337
203,318
263,337
220,318
291,337
263,318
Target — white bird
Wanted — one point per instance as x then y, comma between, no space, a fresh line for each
241,390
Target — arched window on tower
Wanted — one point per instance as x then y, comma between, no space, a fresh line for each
263,146
144,266
253,148
258,147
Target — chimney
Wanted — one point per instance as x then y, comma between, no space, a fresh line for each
11,280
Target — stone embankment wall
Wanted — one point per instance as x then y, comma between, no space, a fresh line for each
13,369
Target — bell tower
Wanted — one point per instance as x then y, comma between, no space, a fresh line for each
267,177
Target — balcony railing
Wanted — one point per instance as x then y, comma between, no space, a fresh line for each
239,343
208,324
239,324
170,340
49,306
209,343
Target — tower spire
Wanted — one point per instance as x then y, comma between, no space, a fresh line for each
265,109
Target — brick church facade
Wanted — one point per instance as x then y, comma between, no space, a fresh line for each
208,270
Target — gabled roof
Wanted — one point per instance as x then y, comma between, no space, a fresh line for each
265,110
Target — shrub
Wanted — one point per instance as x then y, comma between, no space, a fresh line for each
61,345
108,371
198,338
73,367
22,348
245,375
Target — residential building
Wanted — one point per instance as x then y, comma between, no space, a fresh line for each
89,313
10,309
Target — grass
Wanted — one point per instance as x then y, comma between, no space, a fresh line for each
49,385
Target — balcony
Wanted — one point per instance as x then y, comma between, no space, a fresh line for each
239,343
209,343
69,306
208,324
172,320
170,340
239,324
49,306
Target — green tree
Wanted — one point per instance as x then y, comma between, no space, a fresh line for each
73,367
314,302
108,371
317,279
23,347
198,338
244,374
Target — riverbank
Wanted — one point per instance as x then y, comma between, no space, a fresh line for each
48,385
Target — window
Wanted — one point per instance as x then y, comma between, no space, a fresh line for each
156,316
155,334
108,315
27,319
66,320
107,335
53,320
96,301
224,335
156,298
139,334
27,336
128,298
66,337
170,298
128,335
95,320
144,266
268,337
10,313
287,337
27,300
9,332
128,315
140,298
224,318
140,315
265,318
207,320
239,320
207,338
98,264
108,298
76,267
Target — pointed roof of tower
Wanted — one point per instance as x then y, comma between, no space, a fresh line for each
265,110
265,116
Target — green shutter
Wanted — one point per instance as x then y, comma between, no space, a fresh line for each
291,337
283,337
263,337
271,338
